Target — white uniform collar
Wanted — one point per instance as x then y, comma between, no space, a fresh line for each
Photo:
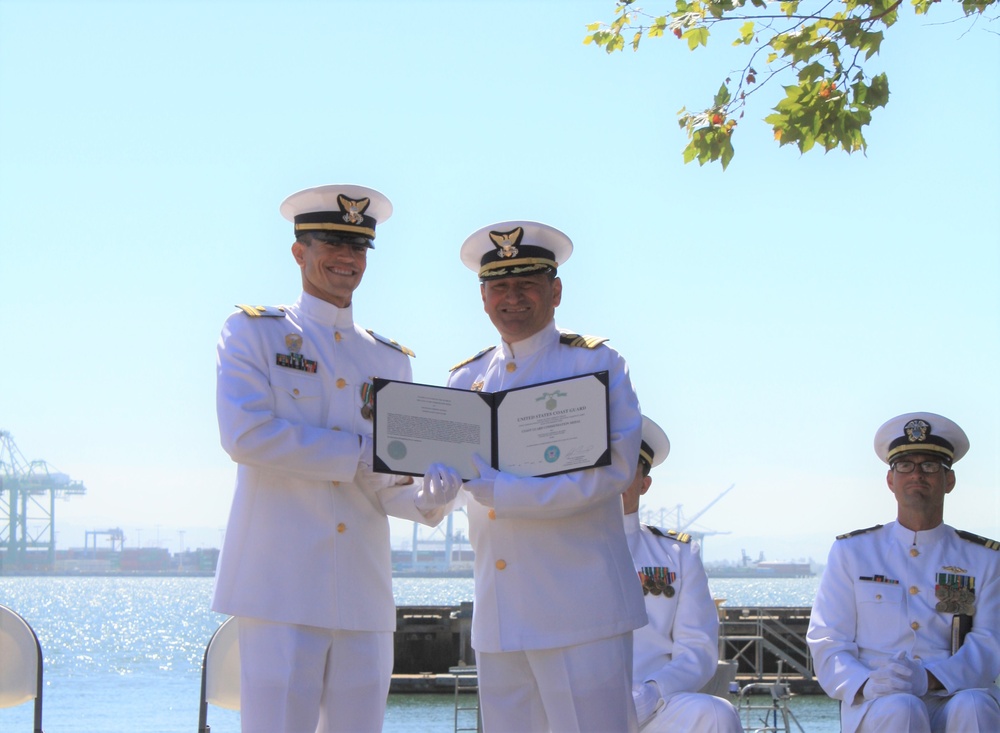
328,313
909,537
534,343
632,523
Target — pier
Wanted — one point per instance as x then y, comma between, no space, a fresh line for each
433,646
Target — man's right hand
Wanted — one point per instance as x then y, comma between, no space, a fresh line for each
646,697
440,486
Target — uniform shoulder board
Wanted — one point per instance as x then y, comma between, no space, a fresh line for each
670,534
984,541
575,339
389,342
471,359
256,311
858,531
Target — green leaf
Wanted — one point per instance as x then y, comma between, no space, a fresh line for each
746,33
722,97
697,36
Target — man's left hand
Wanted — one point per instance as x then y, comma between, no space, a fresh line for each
482,488
918,676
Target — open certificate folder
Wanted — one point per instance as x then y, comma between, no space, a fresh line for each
539,430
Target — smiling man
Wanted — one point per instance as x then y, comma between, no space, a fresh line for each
306,560
905,629
556,595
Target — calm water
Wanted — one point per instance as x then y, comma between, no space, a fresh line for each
124,654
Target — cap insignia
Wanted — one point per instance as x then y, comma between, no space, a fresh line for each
353,210
917,431
506,242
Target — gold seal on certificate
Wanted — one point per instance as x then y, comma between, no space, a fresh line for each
539,430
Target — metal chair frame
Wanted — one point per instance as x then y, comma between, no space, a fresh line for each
229,627
20,620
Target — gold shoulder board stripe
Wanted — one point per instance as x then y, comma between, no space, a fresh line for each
575,339
979,540
858,531
471,359
670,534
256,311
389,342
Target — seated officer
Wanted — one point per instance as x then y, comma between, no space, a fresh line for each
677,652
905,629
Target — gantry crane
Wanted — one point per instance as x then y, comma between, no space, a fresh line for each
28,491
677,520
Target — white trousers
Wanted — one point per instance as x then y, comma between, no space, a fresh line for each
967,711
586,688
304,679
693,711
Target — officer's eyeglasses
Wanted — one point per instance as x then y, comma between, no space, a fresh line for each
359,245
925,466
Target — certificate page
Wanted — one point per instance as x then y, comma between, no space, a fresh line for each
417,425
554,427
539,430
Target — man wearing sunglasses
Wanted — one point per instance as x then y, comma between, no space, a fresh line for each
905,629
306,560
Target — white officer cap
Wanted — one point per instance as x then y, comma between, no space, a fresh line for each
921,432
655,446
513,248
337,208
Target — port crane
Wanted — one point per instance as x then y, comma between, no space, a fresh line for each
115,537
28,492
676,520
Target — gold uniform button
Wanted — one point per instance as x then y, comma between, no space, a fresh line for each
914,552
337,336
295,392
914,590
878,596
501,564
511,366
335,483
915,625
492,514
341,528
341,383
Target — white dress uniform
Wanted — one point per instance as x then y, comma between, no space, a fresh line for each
679,648
879,596
552,566
306,544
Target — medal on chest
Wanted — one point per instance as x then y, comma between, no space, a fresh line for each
294,358
657,581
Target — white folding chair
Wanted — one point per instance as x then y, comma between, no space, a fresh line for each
220,672
20,664
721,683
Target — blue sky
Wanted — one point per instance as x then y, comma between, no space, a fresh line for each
773,315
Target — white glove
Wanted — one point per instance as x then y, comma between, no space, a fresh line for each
440,486
482,488
891,676
646,696
918,675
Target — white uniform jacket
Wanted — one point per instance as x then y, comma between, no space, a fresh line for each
877,597
679,648
552,565
305,543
